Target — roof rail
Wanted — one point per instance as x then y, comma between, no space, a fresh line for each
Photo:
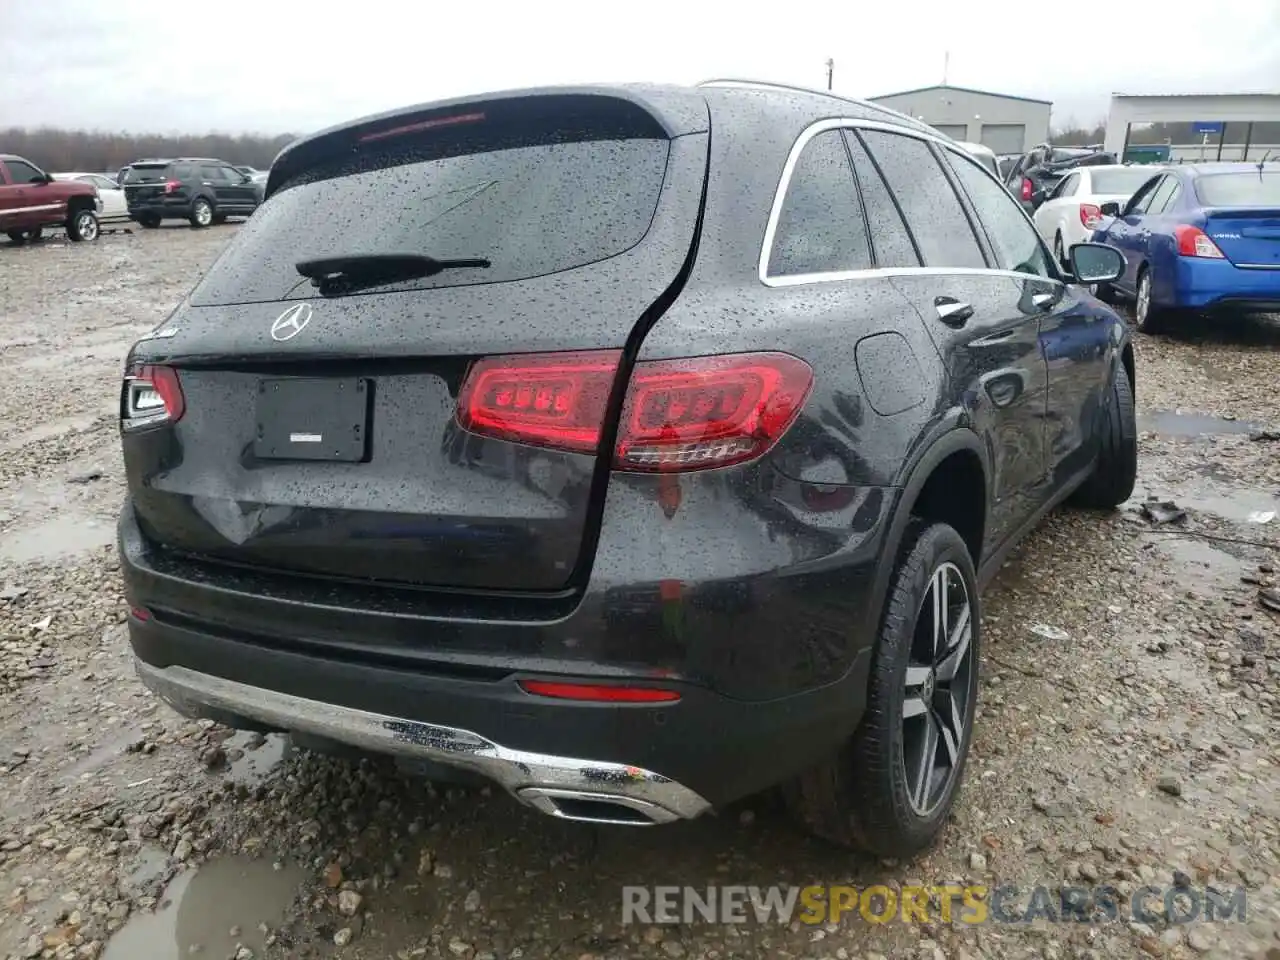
792,88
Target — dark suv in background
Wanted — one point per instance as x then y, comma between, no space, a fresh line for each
636,447
199,190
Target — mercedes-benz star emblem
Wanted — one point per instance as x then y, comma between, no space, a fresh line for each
290,323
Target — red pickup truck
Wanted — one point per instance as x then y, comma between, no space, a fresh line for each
31,200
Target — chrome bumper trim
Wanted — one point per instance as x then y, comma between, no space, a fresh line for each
533,778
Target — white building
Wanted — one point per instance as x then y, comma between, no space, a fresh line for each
1005,124
1258,112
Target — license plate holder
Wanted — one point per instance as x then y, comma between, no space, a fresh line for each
301,418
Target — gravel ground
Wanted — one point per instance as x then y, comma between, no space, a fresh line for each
1133,743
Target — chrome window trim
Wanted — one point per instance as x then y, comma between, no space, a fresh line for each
850,123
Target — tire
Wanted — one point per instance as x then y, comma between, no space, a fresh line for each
21,237
1147,316
201,213
864,796
1116,471
83,225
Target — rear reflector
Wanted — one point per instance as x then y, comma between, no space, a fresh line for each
172,186
686,414
599,693
1194,242
152,395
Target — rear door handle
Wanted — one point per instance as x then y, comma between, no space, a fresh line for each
952,312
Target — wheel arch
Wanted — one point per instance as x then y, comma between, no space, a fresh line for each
953,462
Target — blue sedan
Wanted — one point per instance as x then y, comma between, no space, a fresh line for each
1198,237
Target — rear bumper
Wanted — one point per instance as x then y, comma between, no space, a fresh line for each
161,208
561,786
668,760
770,666
1204,284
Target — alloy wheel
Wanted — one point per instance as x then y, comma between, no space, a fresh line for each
87,226
204,214
1143,305
937,702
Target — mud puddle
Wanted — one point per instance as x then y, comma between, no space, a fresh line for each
212,911
1199,564
57,538
253,758
1173,423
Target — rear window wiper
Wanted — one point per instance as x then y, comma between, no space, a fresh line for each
343,273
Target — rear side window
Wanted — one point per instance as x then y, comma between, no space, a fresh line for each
889,236
932,209
1161,197
529,210
820,228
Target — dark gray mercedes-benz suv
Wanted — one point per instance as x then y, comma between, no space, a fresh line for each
638,448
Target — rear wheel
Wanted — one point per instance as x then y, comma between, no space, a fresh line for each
19,237
82,225
892,786
201,213
1147,315
1116,471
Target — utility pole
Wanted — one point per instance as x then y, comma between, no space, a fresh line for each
946,66
831,69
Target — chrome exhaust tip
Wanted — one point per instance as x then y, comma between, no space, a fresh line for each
603,808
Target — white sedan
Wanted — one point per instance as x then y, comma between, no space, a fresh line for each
109,192
1074,206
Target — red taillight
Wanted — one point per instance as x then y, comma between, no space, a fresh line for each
548,400
152,395
683,414
709,411
172,186
140,613
598,692
1028,188
1090,214
1194,242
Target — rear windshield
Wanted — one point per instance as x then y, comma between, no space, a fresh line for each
1239,189
143,173
1121,181
529,211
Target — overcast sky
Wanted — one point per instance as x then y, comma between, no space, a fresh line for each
297,65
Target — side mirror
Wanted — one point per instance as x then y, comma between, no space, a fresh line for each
1110,209
1096,262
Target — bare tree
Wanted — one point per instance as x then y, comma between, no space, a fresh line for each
62,150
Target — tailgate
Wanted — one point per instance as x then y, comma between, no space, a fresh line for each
319,433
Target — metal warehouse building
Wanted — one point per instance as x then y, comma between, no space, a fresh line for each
1003,123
